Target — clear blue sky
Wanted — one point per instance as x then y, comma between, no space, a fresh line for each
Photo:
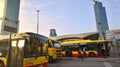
66,16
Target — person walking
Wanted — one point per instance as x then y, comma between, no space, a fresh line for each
84,50
80,54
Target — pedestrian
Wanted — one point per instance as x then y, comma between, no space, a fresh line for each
104,53
80,54
84,51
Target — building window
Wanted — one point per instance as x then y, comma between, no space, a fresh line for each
10,29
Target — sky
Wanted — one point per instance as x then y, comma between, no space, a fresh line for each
66,16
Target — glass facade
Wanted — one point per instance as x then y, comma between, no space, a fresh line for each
101,19
9,16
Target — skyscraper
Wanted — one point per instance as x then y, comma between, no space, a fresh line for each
101,19
9,13
53,33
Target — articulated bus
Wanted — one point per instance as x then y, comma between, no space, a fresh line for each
23,50
54,50
93,48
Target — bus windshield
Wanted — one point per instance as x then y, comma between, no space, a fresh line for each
57,45
3,48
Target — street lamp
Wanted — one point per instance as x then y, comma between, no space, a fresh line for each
37,20
9,52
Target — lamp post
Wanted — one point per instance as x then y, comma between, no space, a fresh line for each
9,51
37,21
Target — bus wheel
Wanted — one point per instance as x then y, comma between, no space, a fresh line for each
91,54
1,64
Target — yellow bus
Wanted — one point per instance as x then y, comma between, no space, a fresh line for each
93,48
57,46
54,50
23,50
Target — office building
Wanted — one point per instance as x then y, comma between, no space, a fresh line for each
101,19
9,14
53,33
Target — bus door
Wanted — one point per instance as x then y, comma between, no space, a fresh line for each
16,53
68,52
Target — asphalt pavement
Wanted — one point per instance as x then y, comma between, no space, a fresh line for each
86,62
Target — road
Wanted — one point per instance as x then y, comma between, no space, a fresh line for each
87,62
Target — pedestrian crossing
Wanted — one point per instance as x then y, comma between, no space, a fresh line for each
107,64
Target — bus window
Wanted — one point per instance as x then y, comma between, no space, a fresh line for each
37,47
57,45
33,49
3,48
21,43
50,44
20,52
27,49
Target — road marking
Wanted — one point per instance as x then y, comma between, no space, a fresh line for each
107,64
